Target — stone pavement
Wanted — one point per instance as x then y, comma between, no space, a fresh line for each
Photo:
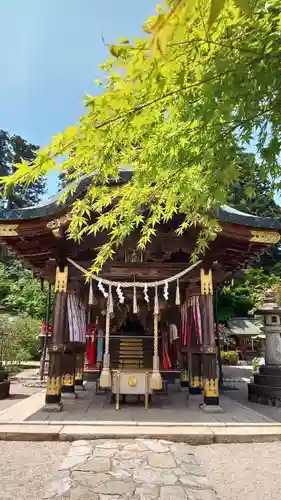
176,406
140,469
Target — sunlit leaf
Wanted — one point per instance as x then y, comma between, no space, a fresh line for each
215,10
244,5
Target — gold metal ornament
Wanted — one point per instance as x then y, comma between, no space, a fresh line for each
53,386
61,280
184,376
78,374
8,229
58,222
270,237
211,388
132,381
196,382
67,380
206,282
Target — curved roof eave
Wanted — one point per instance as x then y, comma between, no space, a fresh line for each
52,207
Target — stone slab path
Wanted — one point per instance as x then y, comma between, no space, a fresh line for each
138,469
176,406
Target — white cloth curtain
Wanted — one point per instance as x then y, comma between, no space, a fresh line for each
76,319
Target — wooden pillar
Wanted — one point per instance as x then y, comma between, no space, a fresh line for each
53,390
210,377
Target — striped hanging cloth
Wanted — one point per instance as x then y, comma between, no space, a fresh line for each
92,352
165,353
197,319
190,325
183,325
76,319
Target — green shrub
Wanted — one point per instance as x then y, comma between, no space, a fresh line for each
229,357
19,338
256,364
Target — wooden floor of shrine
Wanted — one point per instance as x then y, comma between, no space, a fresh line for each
175,406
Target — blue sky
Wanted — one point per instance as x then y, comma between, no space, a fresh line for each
51,51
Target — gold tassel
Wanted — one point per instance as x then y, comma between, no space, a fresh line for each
156,379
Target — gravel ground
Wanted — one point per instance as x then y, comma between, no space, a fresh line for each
251,471
25,468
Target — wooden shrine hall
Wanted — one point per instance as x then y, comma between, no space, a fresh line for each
148,317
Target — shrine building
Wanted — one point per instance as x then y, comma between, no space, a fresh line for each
147,319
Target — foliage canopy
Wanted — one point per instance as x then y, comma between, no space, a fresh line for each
177,106
19,292
246,293
13,149
19,338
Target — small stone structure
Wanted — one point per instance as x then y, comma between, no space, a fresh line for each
266,388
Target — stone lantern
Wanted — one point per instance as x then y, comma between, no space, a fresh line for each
266,388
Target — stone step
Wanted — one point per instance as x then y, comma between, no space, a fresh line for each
263,394
270,370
